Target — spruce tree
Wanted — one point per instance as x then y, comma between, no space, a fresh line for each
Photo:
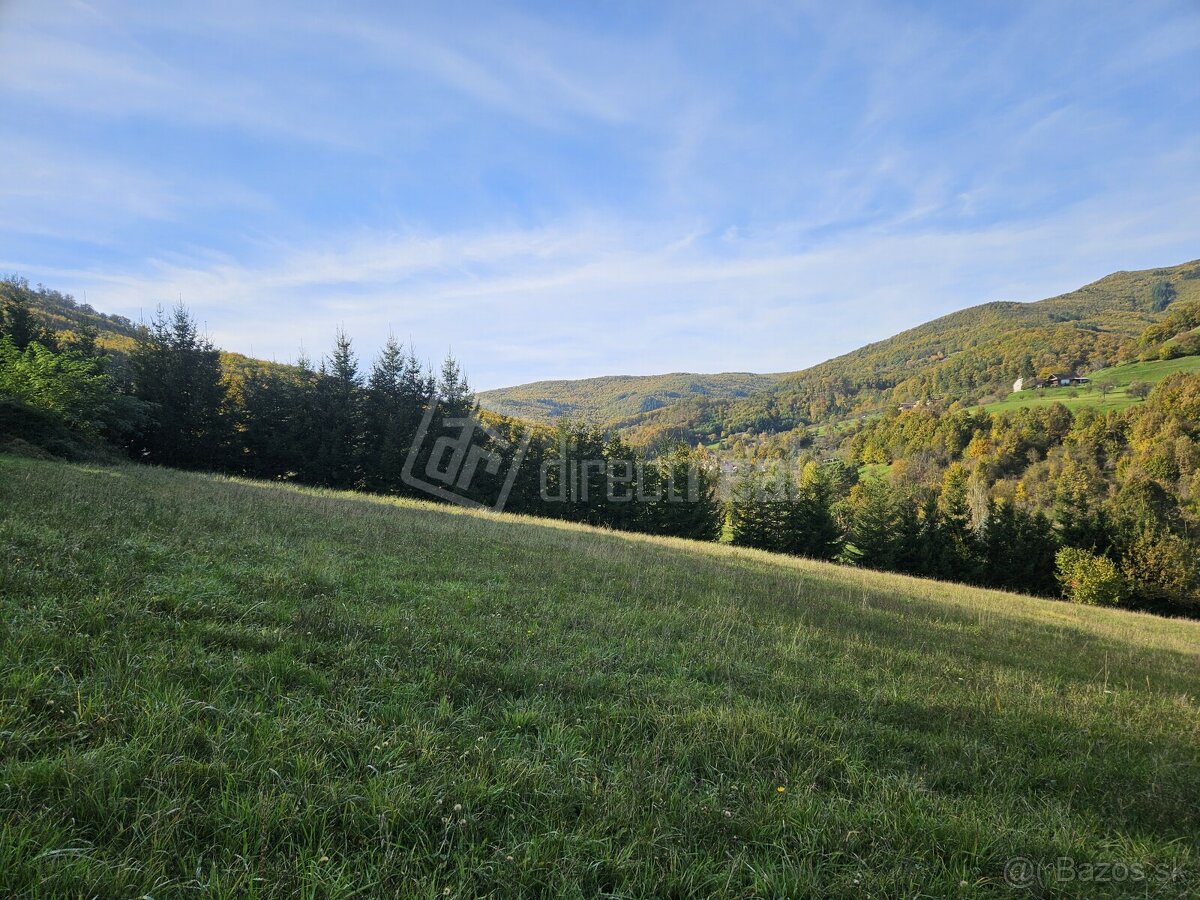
339,416
687,487
876,530
956,546
1018,550
387,413
454,394
809,526
178,372
756,510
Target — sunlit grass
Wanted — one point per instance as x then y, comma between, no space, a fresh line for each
1091,396
227,688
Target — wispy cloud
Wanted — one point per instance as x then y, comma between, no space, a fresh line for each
588,298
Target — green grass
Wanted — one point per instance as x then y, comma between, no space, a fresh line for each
1089,395
868,471
224,688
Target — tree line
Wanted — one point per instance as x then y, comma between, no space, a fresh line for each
826,512
171,401
1103,507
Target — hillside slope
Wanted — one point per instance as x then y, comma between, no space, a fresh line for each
246,689
964,356
618,399
980,347
63,315
1107,390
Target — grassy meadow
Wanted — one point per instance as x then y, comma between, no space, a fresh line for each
1090,395
221,688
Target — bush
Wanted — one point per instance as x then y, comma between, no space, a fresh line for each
1090,579
23,427
1139,389
1163,569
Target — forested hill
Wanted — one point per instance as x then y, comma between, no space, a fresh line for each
619,399
986,347
63,314
968,356
74,322
1104,505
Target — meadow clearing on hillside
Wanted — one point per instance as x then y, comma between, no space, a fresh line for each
239,688
1117,397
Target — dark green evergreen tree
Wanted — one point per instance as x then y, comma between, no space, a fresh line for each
178,373
757,508
685,482
957,558
18,323
928,553
339,416
1018,550
454,393
876,532
396,395
809,526
273,424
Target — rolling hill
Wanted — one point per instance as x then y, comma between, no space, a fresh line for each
63,315
615,400
967,356
247,689
984,348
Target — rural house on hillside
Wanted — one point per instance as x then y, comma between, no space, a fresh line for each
1053,380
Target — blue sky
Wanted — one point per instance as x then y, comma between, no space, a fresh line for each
572,189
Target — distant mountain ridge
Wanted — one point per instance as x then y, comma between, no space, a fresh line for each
965,356
617,400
